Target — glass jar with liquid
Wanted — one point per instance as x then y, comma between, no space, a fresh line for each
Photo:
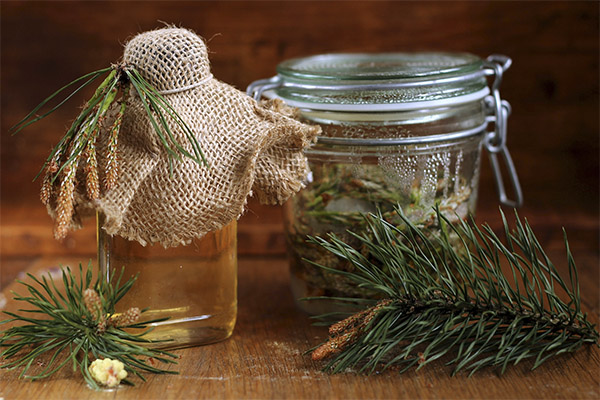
399,130
195,286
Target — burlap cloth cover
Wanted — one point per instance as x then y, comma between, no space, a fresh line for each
251,148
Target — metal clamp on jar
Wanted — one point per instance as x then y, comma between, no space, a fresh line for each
398,129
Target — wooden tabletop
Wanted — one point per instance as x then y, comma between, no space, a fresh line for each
265,356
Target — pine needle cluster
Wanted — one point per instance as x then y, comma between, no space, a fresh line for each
78,146
78,324
440,301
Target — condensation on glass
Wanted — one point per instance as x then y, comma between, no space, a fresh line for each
399,129
194,286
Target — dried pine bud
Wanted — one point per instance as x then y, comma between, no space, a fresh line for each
360,319
347,331
94,306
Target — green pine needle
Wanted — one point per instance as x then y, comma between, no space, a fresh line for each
68,333
77,148
155,105
456,303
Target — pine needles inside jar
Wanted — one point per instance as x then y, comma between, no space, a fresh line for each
78,146
75,324
472,315
336,199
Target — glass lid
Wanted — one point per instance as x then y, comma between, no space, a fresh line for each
380,81
379,66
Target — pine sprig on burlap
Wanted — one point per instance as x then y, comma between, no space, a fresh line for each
78,324
455,304
78,144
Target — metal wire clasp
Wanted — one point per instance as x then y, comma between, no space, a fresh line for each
257,88
498,111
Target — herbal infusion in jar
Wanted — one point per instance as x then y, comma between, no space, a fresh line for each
400,130
194,286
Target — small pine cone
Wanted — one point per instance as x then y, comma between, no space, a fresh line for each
127,318
93,303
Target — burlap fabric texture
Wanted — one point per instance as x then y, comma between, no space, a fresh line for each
251,148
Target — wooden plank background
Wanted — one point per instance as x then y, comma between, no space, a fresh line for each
553,87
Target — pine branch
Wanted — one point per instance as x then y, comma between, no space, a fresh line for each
81,322
443,300
65,158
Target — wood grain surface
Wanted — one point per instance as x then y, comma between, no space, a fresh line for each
264,357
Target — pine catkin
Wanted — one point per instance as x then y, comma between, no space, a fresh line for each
92,303
64,206
347,331
127,318
91,168
48,184
112,157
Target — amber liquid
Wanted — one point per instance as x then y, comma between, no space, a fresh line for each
195,285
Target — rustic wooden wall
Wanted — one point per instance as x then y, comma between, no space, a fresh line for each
553,87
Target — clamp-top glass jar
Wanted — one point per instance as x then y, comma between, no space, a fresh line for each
398,129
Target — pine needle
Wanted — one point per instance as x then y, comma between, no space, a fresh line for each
444,301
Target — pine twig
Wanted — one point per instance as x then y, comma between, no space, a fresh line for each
79,322
442,300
